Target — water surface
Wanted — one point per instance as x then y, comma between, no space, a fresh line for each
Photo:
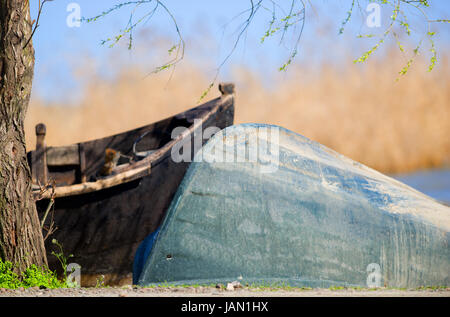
434,183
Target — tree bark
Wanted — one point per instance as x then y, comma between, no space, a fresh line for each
21,240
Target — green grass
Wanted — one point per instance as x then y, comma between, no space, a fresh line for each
33,276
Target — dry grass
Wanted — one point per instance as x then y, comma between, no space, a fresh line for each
360,112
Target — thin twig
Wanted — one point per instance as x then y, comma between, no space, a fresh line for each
40,6
50,204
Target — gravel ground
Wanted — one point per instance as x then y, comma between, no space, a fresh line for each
215,292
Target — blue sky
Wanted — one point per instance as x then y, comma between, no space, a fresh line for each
61,48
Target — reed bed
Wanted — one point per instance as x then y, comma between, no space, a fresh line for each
359,111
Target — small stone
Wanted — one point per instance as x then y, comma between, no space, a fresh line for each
220,286
230,287
123,295
42,287
21,289
236,284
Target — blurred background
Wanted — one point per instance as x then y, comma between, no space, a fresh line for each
397,124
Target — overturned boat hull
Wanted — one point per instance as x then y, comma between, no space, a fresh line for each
261,204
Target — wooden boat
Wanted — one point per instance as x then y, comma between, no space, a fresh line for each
101,219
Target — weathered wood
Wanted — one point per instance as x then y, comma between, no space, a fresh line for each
82,156
63,155
89,187
39,157
226,88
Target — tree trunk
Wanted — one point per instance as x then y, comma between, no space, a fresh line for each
21,240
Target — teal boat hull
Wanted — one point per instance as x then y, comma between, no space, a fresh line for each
300,215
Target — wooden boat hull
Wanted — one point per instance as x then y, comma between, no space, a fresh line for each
103,228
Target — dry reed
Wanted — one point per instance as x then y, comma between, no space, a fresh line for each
359,111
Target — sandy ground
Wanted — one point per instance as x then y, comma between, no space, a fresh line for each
215,292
